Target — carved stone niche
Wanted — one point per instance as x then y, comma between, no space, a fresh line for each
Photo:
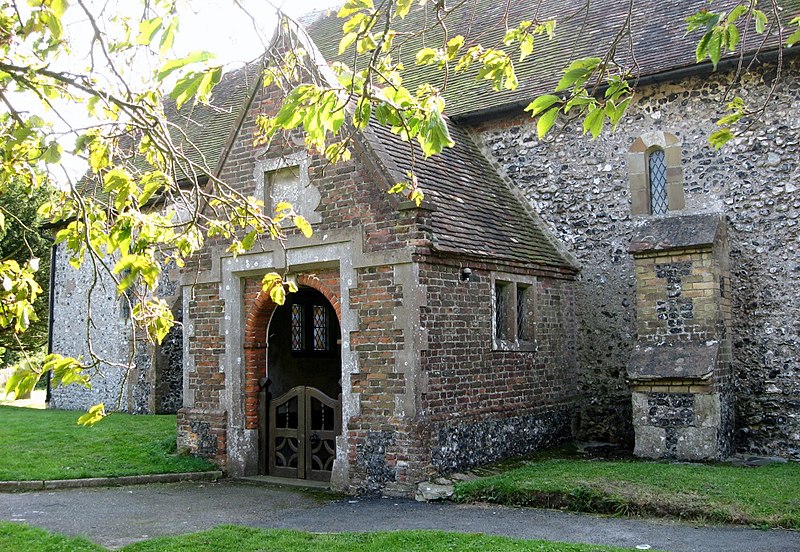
680,368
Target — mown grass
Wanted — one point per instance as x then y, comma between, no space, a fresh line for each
16,536
768,496
48,444
230,538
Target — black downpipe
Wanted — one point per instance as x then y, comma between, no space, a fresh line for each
50,306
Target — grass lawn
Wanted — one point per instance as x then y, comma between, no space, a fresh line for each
768,496
48,444
243,539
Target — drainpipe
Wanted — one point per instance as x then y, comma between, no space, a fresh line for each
51,302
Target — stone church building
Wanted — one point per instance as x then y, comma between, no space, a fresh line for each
639,288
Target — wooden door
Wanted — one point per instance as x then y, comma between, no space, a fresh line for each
303,425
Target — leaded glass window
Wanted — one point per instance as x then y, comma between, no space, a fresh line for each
297,327
501,319
657,172
522,315
320,328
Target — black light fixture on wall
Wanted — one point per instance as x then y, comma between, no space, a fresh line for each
466,274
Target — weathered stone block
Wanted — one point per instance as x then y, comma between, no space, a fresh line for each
640,408
636,163
697,443
651,442
707,410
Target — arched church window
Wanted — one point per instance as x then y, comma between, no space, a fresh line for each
657,175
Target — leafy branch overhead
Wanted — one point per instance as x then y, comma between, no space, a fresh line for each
144,203
599,90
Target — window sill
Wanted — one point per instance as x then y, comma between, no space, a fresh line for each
517,345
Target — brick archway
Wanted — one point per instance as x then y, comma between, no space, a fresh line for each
259,313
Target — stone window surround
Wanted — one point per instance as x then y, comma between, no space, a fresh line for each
638,157
511,283
310,196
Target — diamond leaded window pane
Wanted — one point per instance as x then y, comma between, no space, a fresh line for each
297,327
522,319
657,170
320,328
500,321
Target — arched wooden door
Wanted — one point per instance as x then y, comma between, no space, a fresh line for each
300,399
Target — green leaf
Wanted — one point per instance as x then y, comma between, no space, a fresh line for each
794,38
701,52
570,78
546,122
99,154
270,279
594,122
434,136
52,154
398,188
147,30
402,8
731,37
346,41
22,381
304,226
249,240
211,78
93,415
426,56
736,13
278,294
541,103
619,111
58,7
715,47
453,46
761,21
175,64
720,137
196,84
703,18
168,36
152,183
525,47
352,6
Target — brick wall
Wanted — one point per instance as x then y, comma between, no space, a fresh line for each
352,194
482,404
378,439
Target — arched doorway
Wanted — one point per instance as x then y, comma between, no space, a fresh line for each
301,393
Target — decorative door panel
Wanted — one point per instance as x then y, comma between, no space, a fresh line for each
303,425
324,424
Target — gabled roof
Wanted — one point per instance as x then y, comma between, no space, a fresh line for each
584,28
206,128
476,211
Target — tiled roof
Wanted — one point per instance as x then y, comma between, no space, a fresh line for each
205,128
199,131
658,38
476,211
